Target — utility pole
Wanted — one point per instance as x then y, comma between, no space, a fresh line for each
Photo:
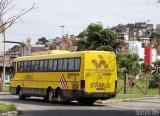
2,30
4,62
62,26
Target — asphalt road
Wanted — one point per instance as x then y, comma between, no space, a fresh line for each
38,107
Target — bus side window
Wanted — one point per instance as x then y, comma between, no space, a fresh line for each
33,64
18,66
28,65
50,65
55,65
41,65
45,65
12,70
60,63
37,66
21,66
25,66
71,64
77,64
65,64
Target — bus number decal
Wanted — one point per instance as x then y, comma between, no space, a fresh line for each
100,85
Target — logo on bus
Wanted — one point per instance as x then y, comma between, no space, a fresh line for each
28,77
100,85
101,63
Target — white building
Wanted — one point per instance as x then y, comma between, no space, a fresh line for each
146,41
154,55
136,47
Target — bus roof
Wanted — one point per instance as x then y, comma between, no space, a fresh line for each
56,53
48,52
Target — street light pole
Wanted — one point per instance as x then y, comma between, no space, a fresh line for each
4,62
62,26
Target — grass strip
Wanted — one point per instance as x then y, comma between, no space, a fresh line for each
6,107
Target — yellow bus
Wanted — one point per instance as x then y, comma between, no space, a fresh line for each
60,75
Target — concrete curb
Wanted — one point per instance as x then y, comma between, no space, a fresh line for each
129,99
12,113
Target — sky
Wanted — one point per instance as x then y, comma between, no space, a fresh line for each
75,15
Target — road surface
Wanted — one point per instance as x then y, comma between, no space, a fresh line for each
38,107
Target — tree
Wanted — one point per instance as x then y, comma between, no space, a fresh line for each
43,40
154,81
5,22
95,37
156,65
128,64
145,69
5,7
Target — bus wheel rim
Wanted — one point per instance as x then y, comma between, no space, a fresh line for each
50,96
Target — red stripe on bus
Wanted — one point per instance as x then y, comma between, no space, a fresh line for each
63,82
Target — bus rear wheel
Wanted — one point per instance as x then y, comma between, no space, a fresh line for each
59,96
21,96
49,95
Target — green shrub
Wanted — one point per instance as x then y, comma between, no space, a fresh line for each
6,107
154,81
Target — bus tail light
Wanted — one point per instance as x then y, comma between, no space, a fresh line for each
82,84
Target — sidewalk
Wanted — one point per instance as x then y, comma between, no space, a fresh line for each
127,99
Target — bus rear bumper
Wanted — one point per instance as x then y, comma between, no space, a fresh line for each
96,95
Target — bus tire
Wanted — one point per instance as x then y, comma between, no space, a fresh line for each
20,94
49,95
59,96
